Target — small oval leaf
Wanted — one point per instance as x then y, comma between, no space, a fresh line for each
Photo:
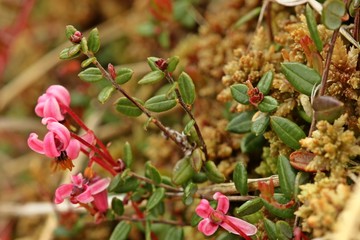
284,229
127,155
160,103
152,77
69,31
157,196
279,212
91,74
301,77
186,88
152,173
265,82
288,132
239,93
105,94
123,75
249,207
286,176
312,26
213,173
121,231
182,172
87,62
94,41
259,126
175,233
240,179
117,206
268,104
152,63
332,13
241,123
172,63
250,143
128,108
70,52
270,228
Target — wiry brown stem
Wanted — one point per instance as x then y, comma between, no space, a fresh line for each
144,179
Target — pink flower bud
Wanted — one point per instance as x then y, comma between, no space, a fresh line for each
76,37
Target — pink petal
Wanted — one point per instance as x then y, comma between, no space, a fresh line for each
89,137
50,148
207,227
63,192
85,197
244,226
77,180
73,149
99,185
52,109
61,132
60,93
39,108
223,202
35,144
101,201
204,209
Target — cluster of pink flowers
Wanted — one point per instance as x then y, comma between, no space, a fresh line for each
63,146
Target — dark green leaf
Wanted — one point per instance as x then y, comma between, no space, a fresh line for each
121,231
189,192
268,104
87,62
286,176
258,127
312,26
182,172
115,182
152,77
333,11
265,82
301,178
160,103
284,229
250,142
189,126
157,196
239,93
128,108
270,228
91,74
172,63
249,207
288,132
301,77
123,75
70,52
117,206
125,185
127,155
105,94
241,123
247,17
240,179
94,40
175,233
199,177
69,31
279,212
213,173
195,219
186,88
152,173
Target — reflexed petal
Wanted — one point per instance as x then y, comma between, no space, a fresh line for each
61,132
89,137
101,201
223,202
50,149
99,185
60,93
77,180
204,209
52,109
244,226
62,192
85,197
207,227
35,144
39,108
73,149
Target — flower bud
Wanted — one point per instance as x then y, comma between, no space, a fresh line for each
76,37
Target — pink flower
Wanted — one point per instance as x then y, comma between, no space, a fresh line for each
57,144
84,191
215,218
53,103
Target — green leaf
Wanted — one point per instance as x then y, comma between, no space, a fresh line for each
279,212
213,173
183,171
300,179
197,159
157,196
241,123
247,17
260,125
172,63
152,77
186,88
175,233
117,206
87,62
121,231
84,46
249,207
195,219
152,173
288,132
91,74
123,75
127,155
250,143
240,179
239,93
152,63
333,11
286,176
160,103
164,39
70,52
188,127
94,41
270,228
312,26
265,82
189,192
284,229
268,104
124,185
69,31
301,77
128,108
105,94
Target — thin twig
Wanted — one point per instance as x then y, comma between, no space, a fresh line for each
148,180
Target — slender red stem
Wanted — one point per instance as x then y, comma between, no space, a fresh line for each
99,161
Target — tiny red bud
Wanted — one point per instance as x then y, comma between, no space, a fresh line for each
76,37
111,71
255,96
121,166
161,64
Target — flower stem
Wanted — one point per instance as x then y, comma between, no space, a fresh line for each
241,233
144,179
